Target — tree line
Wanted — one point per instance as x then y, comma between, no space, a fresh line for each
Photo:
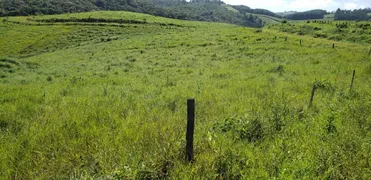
357,14
313,14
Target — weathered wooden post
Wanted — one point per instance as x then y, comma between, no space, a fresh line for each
190,129
333,46
351,84
312,96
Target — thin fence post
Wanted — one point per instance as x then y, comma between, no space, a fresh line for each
312,95
190,129
351,84
333,46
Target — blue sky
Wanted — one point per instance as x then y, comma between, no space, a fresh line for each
302,5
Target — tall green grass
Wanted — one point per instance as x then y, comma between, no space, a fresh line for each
107,102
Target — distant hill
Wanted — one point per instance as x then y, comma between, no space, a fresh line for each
268,20
200,10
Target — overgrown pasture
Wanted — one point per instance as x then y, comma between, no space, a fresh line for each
107,100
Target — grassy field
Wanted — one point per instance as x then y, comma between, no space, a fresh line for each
107,100
329,17
229,7
269,20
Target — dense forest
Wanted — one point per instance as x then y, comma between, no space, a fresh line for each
357,14
201,10
313,14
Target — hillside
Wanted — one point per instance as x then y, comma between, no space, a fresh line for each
269,20
102,95
286,13
244,10
267,17
200,10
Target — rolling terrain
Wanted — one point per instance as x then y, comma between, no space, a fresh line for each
103,95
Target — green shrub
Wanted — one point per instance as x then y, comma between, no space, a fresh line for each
242,128
325,85
259,31
319,35
330,127
49,78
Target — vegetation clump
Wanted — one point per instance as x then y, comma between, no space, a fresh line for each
325,85
242,128
279,69
8,65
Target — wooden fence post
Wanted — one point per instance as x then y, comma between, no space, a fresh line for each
351,84
312,95
190,129
333,46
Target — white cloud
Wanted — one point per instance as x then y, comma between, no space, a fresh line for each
350,6
310,4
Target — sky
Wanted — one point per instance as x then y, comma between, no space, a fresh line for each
301,5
